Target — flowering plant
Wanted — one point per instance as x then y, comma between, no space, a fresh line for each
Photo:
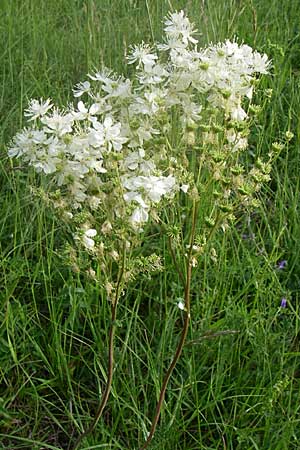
175,132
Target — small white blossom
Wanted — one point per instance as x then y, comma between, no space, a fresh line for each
154,187
140,215
106,76
134,196
177,26
236,141
81,88
261,63
145,132
84,113
181,305
110,133
118,89
134,159
238,113
184,188
87,240
37,108
153,74
142,55
58,123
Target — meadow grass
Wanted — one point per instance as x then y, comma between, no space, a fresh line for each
236,386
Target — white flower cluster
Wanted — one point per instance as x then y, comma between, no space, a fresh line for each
108,147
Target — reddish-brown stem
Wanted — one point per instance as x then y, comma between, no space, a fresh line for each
187,302
171,367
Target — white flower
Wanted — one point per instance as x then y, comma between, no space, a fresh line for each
118,89
58,123
84,113
261,64
154,187
110,133
37,108
139,215
103,77
22,144
37,149
136,161
191,112
149,104
238,113
229,48
87,240
72,173
133,160
145,132
152,74
184,188
81,88
171,44
96,136
236,141
182,58
142,55
158,186
134,196
181,305
177,26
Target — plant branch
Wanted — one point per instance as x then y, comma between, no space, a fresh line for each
112,329
178,269
187,301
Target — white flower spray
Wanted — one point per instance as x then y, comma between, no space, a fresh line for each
114,165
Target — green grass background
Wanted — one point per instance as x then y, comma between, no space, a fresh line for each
234,391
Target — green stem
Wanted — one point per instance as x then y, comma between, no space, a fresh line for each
108,385
187,301
178,269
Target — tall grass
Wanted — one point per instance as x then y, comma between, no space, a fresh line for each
237,384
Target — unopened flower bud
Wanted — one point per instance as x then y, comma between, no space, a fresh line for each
109,288
213,255
268,93
91,274
255,109
115,255
289,136
190,138
277,147
194,262
210,222
106,227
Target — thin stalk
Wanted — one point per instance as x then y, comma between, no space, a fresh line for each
150,21
108,386
187,301
178,269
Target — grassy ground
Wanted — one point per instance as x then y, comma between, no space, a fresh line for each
237,384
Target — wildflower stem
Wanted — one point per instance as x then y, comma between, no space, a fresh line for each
112,330
187,302
174,260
